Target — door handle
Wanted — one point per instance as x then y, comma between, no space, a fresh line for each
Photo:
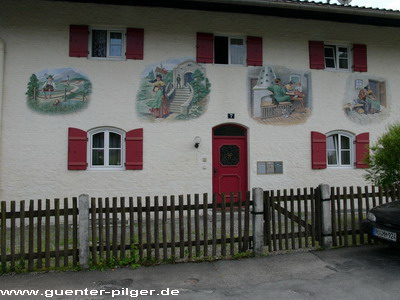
215,171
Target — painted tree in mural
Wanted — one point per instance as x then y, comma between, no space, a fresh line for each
151,75
201,86
87,90
384,160
33,87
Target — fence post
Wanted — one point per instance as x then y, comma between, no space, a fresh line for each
84,231
258,219
326,216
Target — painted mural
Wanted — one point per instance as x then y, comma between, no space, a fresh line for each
279,95
58,91
366,99
174,89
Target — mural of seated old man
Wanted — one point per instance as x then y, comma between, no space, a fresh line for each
279,95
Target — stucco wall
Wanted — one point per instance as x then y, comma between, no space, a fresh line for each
34,146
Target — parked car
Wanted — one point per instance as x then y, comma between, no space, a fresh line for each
383,223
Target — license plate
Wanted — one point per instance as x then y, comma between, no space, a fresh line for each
384,234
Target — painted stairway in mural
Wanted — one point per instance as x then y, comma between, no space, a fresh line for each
181,100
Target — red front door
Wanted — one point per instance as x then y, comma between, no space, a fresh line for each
229,160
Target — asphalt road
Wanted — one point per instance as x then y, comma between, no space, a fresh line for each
368,272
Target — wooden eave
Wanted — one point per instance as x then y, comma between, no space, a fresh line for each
285,9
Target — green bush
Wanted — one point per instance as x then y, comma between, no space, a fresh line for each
384,159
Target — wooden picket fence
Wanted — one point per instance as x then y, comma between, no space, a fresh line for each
349,206
171,229
45,235
137,230
36,234
291,219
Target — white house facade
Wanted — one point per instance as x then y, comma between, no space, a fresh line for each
112,99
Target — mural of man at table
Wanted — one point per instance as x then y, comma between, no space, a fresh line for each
174,89
58,91
279,95
366,99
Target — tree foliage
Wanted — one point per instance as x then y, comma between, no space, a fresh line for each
33,87
384,159
201,86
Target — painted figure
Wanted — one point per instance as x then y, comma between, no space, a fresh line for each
48,87
279,91
159,105
374,104
298,91
362,99
178,82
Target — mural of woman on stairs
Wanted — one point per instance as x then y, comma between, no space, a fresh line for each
175,89
159,105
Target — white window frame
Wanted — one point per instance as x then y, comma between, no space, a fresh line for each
352,149
229,49
336,56
109,31
106,131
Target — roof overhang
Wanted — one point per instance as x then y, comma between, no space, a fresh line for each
278,8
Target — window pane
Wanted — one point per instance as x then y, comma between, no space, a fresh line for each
332,158
343,64
229,130
343,52
115,158
115,50
237,51
99,43
221,50
98,140
115,44
345,157
115,38
115,140
330,63
98,157
332,142
344,142
329,52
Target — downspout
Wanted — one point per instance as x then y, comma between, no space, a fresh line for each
2,55
2,67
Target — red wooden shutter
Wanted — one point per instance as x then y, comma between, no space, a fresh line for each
254,51
134,149
77,149
317,54
360,58
318,150
78,40
205,48
362,150
134,43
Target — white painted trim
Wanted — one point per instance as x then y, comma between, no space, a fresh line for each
106,146
352,137
108,29
336,58
229,37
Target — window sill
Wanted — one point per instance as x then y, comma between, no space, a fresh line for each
340,167
107,58
230,65
338,70
105,169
